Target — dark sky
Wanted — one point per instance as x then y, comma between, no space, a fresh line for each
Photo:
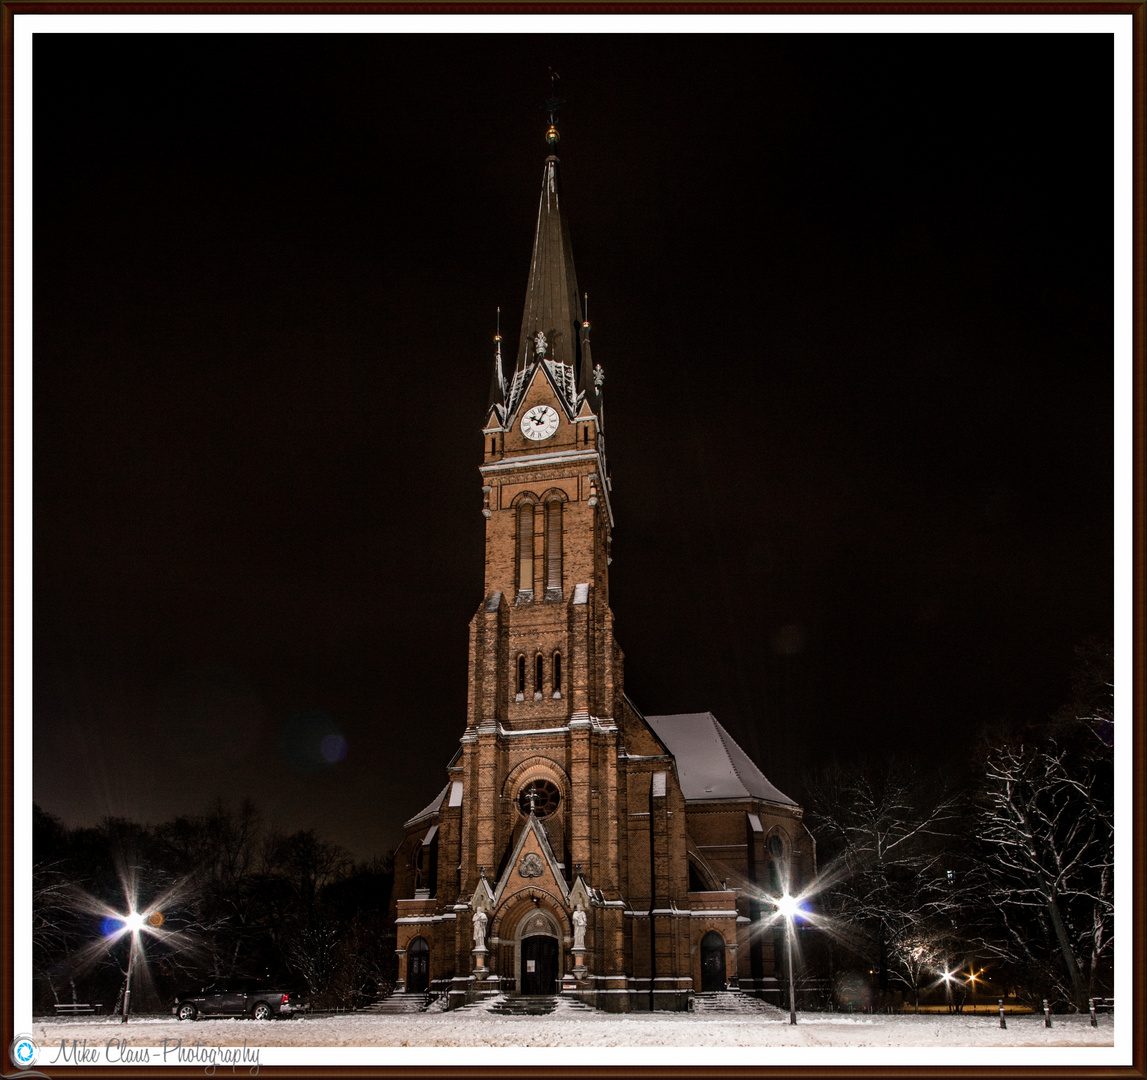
852,294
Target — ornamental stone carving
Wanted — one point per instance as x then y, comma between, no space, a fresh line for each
531,866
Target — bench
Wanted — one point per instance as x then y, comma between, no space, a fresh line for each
72,1010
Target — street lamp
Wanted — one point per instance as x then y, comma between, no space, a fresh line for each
948,977
133,922
788,906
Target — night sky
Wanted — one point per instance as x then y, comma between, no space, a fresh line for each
853,299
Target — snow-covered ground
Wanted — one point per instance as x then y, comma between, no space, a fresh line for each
574,1028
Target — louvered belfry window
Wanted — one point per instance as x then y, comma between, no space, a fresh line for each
554,545
525,547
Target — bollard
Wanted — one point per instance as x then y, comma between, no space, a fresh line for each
1046,1013
1091,1008
1003,1022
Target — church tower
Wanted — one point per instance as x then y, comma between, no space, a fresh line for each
561,855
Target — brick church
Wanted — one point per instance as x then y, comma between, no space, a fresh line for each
579,846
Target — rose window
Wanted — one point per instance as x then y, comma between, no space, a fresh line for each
541,796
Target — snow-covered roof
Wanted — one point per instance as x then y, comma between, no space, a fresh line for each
429,810
710,764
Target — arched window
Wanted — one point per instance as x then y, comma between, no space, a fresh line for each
538,676
526,547
554,546
521,676
557,674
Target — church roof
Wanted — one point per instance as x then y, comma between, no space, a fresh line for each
551,311
431,810
551,294
710,764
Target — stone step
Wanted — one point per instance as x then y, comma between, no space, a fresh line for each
732,1001
525,1005
399,1005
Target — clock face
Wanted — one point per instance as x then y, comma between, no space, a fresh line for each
540,422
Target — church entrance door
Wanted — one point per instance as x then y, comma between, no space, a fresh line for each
418,967
712,962
539,965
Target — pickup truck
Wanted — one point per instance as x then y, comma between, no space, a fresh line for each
257,998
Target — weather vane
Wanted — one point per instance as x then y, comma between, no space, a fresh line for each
553,103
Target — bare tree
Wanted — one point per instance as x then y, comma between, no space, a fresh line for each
1047,835
887,837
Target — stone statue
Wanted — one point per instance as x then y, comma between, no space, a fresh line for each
479,930
579,929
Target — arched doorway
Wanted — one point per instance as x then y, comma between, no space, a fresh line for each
712,962
539,973
418,966
538,944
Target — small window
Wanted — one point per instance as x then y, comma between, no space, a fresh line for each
538,674
521,676
557,674
491,445
584,434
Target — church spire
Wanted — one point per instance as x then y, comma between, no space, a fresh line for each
550,325
497,379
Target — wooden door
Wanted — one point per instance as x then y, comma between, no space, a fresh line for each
418,967
712,962
539,965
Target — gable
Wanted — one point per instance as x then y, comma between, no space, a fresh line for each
532,865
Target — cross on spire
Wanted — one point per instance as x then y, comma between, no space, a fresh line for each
553,103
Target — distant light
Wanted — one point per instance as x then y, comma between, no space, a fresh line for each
133,921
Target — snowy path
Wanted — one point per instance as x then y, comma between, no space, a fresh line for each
561,1029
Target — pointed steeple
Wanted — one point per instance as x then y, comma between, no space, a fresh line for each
551,308
587,379
497,378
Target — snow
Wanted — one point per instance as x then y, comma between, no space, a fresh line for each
430,1038
710,764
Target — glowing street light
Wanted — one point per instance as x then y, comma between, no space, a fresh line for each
787,907
948,977
131,923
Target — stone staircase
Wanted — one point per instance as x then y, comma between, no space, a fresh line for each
399,1005
733,1002
524,1005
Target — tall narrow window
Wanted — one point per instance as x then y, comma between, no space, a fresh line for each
526,547
557,674
554,545
521,677
538,676
491,446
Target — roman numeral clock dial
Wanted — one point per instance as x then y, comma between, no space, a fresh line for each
540,423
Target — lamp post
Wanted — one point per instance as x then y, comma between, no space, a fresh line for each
788,907
133,923
114,926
